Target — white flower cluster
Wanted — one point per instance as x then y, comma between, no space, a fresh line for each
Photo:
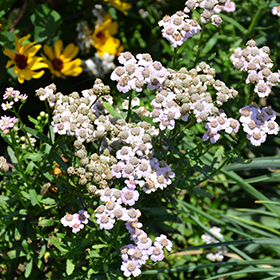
99,65
276,11
258,122
84,38
133,256
134,74
257,63
4,166
210,7
75,221
136,162
221,250
73,115
185,92
178,28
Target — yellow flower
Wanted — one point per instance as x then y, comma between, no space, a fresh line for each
61,63
118,4
25,60
102,38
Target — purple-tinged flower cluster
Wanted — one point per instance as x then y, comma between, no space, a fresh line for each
178,28
218,255
210,7
12,96
75,221
138,71
257,63
276,11
228,7
134,256
258,122
6,123
217,123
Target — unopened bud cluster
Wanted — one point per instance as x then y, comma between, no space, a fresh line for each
210,7
257,63
94,169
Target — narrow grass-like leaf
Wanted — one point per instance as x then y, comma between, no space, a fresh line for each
233,22
251,190
262,241
255,224
37,134
223,264
257,163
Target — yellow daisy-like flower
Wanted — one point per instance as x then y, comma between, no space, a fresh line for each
61,63
121,6
102,38
24,60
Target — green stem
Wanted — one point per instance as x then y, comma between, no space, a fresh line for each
174,58
113,241
261,10
49,120
129,108
23,130
199,44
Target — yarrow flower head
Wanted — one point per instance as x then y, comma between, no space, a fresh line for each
24,60
60,62
6,123
276,11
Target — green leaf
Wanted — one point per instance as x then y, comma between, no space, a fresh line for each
46,22
210,44
37,134
251,190
5,6
33,197
70,266
7,138
6,39
15,254
261,241
112,110
257,163
233,22
58,244
48,200
28,268
46,223
34,156
202,192
12,155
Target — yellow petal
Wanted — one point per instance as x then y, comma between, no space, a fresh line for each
9,53
48,51
69,52
38,75
57,48
31,50
37,65
9,63
18,43
113,28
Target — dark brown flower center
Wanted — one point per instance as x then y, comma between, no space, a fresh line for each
101,36
57,64
21,61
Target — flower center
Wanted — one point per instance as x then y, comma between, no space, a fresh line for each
21,61
57,64
101,36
